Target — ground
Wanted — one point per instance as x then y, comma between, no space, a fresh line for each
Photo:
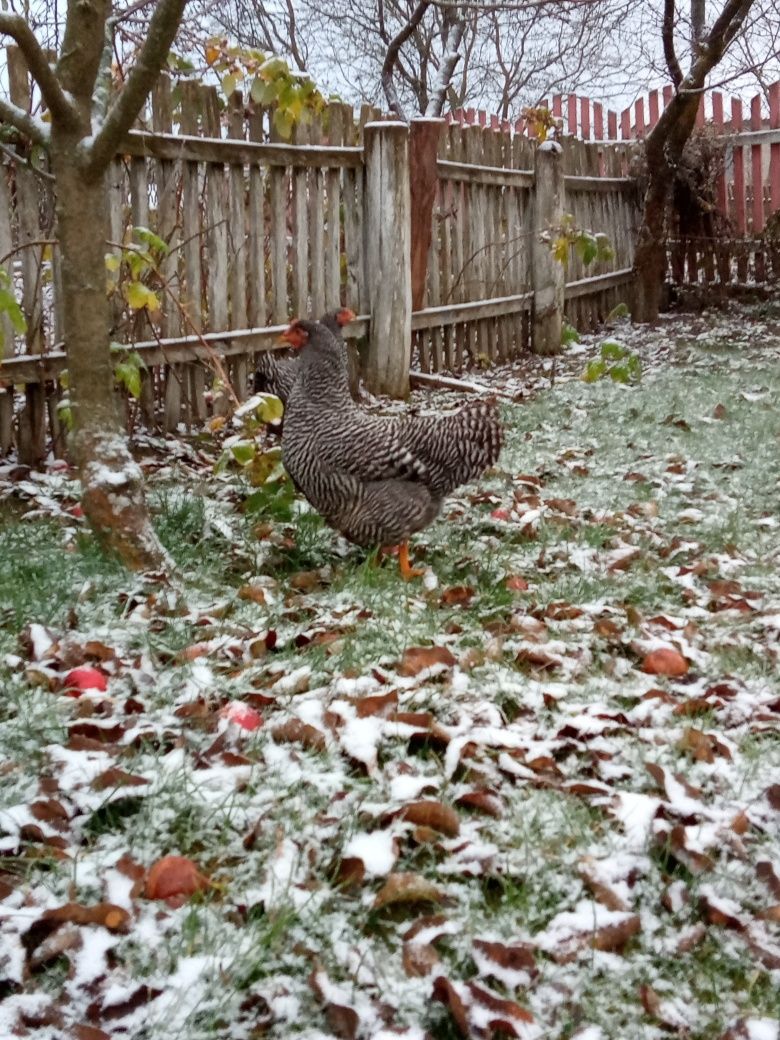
456,807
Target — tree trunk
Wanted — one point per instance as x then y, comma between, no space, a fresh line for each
112,483
664,150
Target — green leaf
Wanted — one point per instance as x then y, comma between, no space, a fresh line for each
283,122
634,366
113,262
560,249
611,350
266,467
594,370
12,310
139,296
257,90
222,462
273,67
619,374
270,409
569,335
621,311
229,84
587,247
137,261
150,239
65,413
128,375
604,248
243,452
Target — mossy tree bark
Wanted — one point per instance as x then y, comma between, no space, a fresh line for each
86,126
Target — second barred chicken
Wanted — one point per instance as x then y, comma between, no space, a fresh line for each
275,373
375,479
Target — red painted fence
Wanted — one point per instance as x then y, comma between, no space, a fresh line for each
747,193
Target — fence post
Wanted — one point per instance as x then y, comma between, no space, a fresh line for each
388,257
547,273
423,181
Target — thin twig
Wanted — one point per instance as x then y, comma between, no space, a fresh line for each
7,150
213,356
28,245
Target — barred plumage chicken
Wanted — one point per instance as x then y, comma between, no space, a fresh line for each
275,372
376,479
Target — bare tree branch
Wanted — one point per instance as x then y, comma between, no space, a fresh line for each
667,37
54,96
160,35
697,26
25,123
452,44
392,56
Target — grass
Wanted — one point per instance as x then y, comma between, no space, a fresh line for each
270,824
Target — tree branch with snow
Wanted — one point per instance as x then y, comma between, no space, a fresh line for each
454,38
55,98
126,106
391,57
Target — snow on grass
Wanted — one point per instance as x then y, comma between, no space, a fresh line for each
540,833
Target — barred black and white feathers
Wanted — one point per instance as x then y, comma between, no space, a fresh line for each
376,479
275,374
276,370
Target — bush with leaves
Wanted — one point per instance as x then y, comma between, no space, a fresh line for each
266,80
590,246
615,362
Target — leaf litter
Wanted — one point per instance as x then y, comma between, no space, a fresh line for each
536,798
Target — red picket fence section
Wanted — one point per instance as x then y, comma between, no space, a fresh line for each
733,245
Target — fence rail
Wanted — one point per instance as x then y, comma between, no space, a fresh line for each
259,230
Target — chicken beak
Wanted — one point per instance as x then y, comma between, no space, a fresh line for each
345,316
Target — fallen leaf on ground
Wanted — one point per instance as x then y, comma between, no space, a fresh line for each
417,658
174,878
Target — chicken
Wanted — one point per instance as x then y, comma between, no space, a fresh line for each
275,373
376,479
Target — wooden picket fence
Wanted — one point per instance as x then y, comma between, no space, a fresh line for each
479,264
747,191
260,230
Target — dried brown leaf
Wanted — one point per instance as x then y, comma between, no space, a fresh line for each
352,871
457,595
665,661
518,957
174,878
506,1013
294,731
514,583
115,777
446,994
537,660
601,891
407,887
417,658
719,915
691,937
613,937
84,1032
382,704
486,802
436,815
766,873
419,959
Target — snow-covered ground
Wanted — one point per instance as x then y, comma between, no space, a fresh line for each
466,806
